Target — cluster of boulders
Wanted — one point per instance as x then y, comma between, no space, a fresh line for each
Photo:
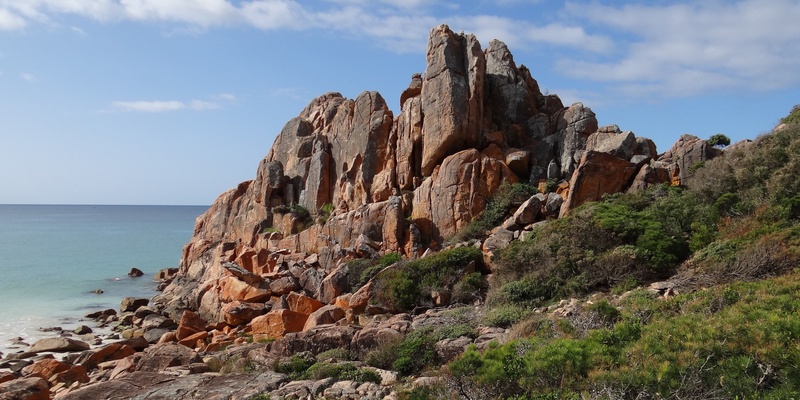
151,356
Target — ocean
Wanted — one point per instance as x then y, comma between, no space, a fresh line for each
53,256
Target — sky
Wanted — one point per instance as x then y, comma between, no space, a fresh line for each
177,101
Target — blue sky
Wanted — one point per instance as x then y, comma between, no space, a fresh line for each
176,101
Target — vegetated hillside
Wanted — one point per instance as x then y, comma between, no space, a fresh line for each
721,321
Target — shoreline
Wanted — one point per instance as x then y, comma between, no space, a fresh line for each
17,335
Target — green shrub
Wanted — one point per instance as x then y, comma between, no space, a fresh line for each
341,372
496,209
411,283
505,315
605,311
719,140
296,365
793,117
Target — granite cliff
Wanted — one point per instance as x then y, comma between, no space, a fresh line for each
348,179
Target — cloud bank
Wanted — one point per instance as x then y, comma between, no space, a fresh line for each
663,49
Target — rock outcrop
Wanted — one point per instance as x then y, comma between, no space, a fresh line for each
348,179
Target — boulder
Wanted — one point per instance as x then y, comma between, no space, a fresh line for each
162,356
275,324
314,340
190,323
135,273
45,368
334,284
114,351
597,174
58,345
238,312
302,304
686,152
151,385
130,304
325,315
620,144
457,192
34,388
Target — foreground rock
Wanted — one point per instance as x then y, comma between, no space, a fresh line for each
58,345
151,385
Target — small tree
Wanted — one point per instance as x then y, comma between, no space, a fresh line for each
719,140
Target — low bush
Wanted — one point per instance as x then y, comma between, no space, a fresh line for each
496,210
412,282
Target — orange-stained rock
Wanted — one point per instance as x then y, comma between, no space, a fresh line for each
457,192
191,341
334,284
33,388
686,152
302,304
343,301
237,312
360,299
649,176
74,374
113,351
275,324
596,175
168,337
326,315
190,323
233,289
45,368
7,376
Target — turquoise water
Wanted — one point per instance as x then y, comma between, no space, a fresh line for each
52,257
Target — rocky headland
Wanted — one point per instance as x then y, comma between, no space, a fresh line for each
295,265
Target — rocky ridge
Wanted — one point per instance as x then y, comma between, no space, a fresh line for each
347,179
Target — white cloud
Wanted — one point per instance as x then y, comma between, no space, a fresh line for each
149,106
225,97
685,49
10,21
158,106
28,76
77,30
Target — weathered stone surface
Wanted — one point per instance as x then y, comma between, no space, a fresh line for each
135,273
573,127
498,240
277,323
527,212
377,333
148,385
45,368
325,315
25,389
237,312
334,284
161,356
620,144
114,351
130,304
58,345
190,323
686,152
597,174
302,304
457,192
314,340
452,96
649,176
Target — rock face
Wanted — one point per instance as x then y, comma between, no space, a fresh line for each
347,179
